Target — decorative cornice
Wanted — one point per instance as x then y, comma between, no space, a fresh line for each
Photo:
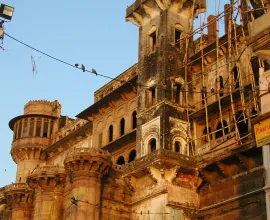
88,161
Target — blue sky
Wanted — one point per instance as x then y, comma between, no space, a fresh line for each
90,32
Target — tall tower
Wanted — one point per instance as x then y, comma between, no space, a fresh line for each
163,26
32,134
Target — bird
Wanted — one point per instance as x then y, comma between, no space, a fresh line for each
94,71
6,170
76,65
83,68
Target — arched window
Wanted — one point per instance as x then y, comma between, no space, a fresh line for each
221,85
111,133
122,127
242,124
177,147
177,38
132,156
219,132
38,128
31,129
45,128
153,41
121,160
134,120
236,77
177,93
205,134
152,144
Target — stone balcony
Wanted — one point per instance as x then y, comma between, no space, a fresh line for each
160,158
30,142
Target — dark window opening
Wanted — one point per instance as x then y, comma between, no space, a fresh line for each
51,129
205,134
177,88
132,156
219,132
20,129
153,41
221,85
38,128
134,120
177,37
25,123
122,127
242,124
203,94
153,145
236,77
177,146
31,129
152,96
121,160
111,133
45,129
255,63
266,65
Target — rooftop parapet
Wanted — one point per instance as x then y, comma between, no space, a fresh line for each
43,107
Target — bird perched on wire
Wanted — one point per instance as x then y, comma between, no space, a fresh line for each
76,65
83,68
94,71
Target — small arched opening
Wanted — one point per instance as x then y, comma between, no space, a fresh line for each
111,133
177,93
153,144
177,147
134,120
122,127
236,77
132,156
120,161
221,85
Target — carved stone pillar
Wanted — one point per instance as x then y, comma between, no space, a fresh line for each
86,166
48,182
19,198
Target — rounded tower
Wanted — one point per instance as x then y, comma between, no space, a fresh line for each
33,132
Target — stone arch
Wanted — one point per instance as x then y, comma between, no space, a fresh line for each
121,112
109,120
183,145
152,133
132,105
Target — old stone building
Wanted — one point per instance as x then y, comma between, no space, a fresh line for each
170,138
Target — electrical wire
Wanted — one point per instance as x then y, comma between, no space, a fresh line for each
115,79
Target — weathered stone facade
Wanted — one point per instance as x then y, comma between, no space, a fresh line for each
170,138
